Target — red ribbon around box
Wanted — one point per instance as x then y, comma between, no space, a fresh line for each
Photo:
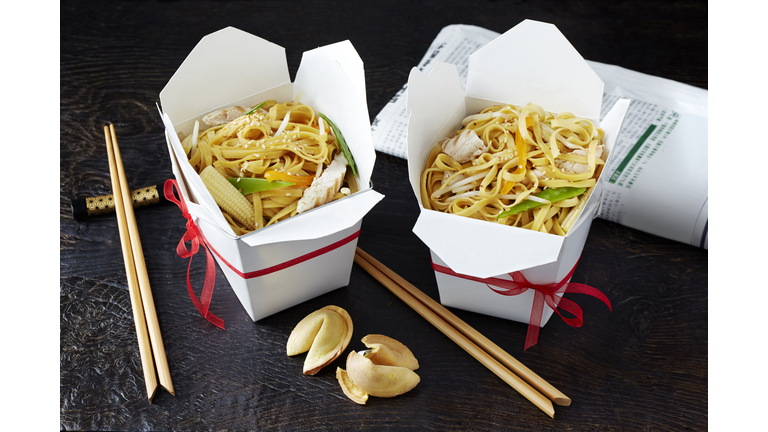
543,293
196,238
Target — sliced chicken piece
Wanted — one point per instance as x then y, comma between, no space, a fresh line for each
540,174
576,167
324,187
225,115
464,147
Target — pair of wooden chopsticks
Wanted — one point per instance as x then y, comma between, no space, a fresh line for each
506,367
144,314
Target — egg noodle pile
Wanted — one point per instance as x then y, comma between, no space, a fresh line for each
528,150
279,141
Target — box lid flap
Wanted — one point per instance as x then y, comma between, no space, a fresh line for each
534,63
345,55
482,249
318,222
431,100
259,66
333,76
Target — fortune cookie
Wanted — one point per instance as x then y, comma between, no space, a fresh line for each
325,333
365,377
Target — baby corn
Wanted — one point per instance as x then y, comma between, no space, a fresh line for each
228,197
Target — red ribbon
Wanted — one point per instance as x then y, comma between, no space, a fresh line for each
544,293
292,262
196,237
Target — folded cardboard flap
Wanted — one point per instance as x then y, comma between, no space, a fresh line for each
482,249
333,77
346,55
431,102
202,83
533,62
194,189
318,222
195,210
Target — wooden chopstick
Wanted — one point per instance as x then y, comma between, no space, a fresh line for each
475,336
380,273
145,350
144,313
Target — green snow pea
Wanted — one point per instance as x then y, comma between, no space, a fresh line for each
342,143
248,185
551,195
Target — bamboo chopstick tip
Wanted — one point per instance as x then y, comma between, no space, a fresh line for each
151,395
562,401
164,379
547,407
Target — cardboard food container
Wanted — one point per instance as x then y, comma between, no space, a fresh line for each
306,255
533,62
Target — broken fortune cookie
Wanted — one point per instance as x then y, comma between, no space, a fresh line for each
364,376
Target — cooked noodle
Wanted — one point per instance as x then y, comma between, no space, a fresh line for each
519,158
282,138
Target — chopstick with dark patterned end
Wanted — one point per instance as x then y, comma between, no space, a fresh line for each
453,328
90,207
144,314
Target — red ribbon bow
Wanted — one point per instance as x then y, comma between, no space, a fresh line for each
196,238
544,293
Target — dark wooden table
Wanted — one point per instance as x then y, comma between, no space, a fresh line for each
642,366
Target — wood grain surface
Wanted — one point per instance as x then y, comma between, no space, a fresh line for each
641,366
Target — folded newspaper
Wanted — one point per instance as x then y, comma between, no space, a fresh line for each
657,181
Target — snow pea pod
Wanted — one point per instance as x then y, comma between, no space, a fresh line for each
247,185
551,195
342,143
